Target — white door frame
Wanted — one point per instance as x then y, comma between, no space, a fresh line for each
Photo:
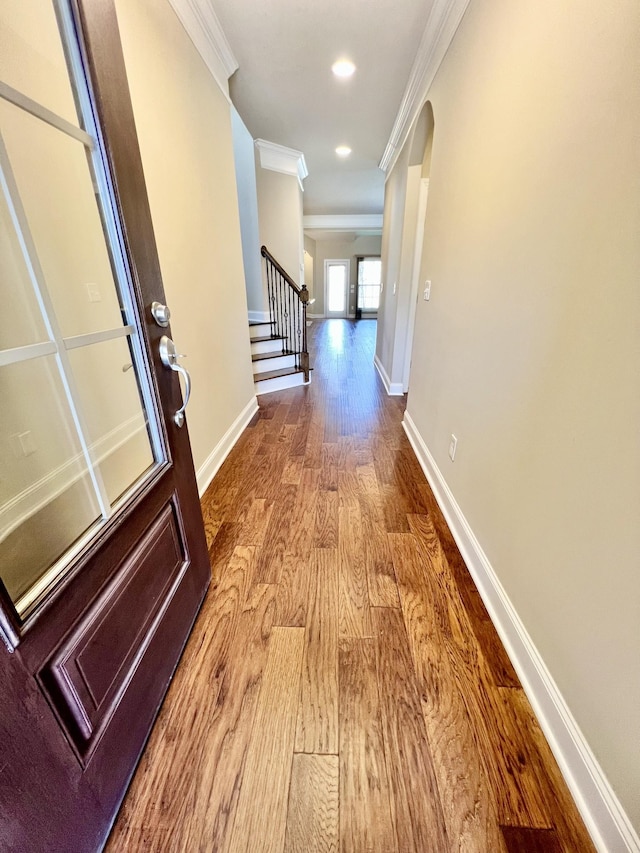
347,264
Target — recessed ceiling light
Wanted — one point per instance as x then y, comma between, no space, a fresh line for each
343,68
343,151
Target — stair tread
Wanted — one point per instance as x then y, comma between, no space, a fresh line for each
262,338
259,323
274,374
260,356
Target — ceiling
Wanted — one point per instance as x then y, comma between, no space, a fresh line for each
285,92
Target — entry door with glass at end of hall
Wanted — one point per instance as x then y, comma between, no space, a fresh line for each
103,560
336,275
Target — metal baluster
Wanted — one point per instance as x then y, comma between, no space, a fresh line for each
282,311
290,343
270,296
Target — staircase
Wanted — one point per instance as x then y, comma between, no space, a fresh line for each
273,367
279,345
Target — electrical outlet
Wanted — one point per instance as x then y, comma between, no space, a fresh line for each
22,444
453,444
94,293
427,291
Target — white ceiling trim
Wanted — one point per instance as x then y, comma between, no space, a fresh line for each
344,221
278,158
204,30
443,22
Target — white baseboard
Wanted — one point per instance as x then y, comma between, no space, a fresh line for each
394,389
258,316
605,819
207,471
315,316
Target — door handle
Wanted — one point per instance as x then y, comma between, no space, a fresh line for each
169,357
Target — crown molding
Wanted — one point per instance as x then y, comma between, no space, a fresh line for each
278,158
207,35
444,20
344,221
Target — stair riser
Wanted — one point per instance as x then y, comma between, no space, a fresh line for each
273,364
279,383
266,346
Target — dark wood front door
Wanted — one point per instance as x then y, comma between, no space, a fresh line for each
103,560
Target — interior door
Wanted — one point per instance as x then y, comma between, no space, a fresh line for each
103,560
336,282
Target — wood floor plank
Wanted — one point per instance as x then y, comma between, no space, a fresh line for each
256,522
314,807
354,608
509,758
260,820
276,539
292,470
570,829
416,808
326,520
468,806
317,728
521,839
303,515
508,752
381,578
292,598
222,547
183,799
365,810
423,527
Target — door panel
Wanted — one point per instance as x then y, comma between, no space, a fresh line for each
101,590
94,663
336,288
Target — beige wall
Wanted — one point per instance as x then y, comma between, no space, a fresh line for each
391,248
184,127
529,350
339,250
245,170
309,265
280,218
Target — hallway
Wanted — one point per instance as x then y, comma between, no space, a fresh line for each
343,688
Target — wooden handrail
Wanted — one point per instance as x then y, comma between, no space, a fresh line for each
299,290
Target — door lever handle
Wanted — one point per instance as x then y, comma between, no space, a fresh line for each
169,357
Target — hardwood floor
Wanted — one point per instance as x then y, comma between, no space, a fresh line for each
343,688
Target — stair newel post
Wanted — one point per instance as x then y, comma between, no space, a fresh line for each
304,358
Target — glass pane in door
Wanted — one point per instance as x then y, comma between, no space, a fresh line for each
79,427
115,417
47,500
32,57
55,187
337,288
21,320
